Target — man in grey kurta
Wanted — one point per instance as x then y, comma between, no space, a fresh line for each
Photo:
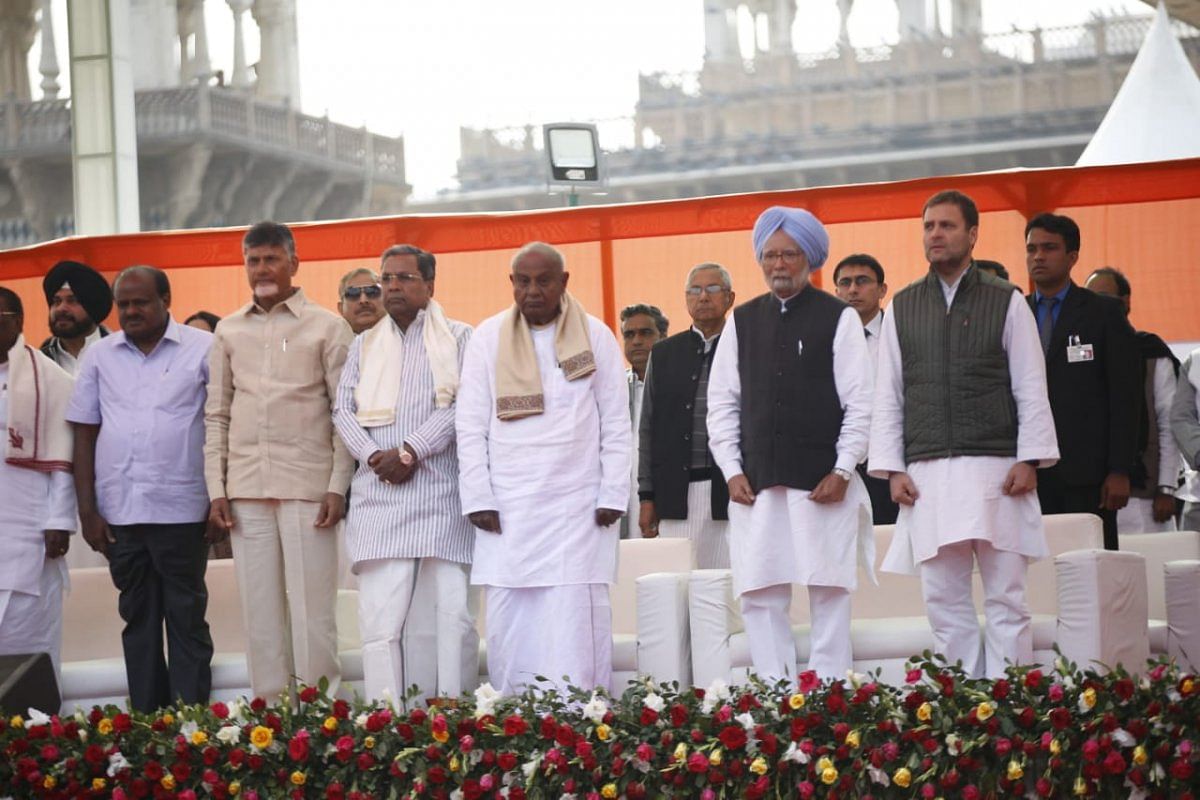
395,411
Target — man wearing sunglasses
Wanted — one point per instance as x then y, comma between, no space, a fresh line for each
361,299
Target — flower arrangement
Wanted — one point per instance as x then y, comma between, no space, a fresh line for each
1062,733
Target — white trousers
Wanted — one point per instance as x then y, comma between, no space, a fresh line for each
946,583
1138,517
32,623
769,629
287,575
709,537
561,633
386,591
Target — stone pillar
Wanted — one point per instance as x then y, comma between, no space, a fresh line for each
241,73
103,129
913,21
153,50
720,34
783,15
194,64
18,26
279,59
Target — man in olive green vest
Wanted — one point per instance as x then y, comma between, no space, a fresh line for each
961,423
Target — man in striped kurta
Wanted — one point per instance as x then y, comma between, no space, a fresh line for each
395,411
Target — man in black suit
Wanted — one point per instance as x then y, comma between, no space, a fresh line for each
1092,371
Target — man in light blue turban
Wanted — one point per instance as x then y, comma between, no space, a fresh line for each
789,410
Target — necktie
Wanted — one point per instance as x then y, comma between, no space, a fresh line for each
1046,321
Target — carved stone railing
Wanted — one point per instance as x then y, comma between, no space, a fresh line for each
44,126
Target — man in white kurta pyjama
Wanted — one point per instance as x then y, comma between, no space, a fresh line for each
544,475
789,402
961,423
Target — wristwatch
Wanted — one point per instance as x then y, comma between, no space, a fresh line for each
406,458
844,474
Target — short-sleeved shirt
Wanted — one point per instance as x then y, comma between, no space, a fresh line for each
150,409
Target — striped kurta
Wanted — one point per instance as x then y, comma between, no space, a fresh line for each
422,517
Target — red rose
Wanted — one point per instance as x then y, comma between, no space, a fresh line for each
334,791
122,723
341,709
417,716
153,771
649,716
1044,787
799,729
679,715
181,771
298,746
515,725
1000,689
697,762
809,681
308,694
405,731
507,761
1181,769
94,754
219,710
644,752
365,761
1060,718
516,793
1123,688
1114,764
768,743
733,737
583,749
257,705
1090,750
836,704
436,774
548,727
1033,679
236,757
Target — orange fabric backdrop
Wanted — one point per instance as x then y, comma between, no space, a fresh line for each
1144,219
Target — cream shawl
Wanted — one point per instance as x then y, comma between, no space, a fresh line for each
39,436
518,380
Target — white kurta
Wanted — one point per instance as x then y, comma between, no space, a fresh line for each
546,474
31,503
825,538
637,388
1138,515
960,498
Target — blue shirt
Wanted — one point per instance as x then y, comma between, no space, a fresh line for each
1055,308
150,409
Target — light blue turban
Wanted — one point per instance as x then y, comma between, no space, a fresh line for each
804,229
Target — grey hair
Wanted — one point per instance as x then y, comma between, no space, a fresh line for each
542,249
351,275
426,261
721,271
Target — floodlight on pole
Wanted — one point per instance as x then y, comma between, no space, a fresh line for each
573,158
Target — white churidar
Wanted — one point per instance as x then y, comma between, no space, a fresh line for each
709,537
765,613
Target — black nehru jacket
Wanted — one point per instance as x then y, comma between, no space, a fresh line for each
790,412
672,381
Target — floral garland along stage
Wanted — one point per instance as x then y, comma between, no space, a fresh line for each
1032,734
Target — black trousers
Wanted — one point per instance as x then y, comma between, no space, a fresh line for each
884,509
159,571
1057,497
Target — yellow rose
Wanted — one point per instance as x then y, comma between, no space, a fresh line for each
1139,755
984,711
1055,747
199,738
829,776
823,763
714,757
902,777
603,732
1081,788
680,751
16,722
98,784
235,788
104,726
369,742
1188,686
796,702
853,739
49,781
1089,697
298,778
1015,771
609,791
441,736
261,737
759,766
167,781
330,724
168,719
924,712
454,763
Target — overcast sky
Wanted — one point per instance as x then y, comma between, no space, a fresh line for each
422,69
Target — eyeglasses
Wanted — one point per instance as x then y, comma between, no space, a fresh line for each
860,281
712,288
354,292
786,256
401,277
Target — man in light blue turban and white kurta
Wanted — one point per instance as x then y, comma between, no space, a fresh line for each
789,412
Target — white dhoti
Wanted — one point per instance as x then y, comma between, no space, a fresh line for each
1138,517
388,589
32,623
945,531
560,633
785,538
709,537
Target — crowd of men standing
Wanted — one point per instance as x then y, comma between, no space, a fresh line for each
770,434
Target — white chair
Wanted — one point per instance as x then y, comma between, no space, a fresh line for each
1173,580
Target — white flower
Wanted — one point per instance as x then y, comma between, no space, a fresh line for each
716,692
746,721
83,735
795,754
238,710
116,763
188,728
654,702
37,717
595,709
1123,738
856,679
952,743
229,734
486,698
456,794
530,766
879,776
361,720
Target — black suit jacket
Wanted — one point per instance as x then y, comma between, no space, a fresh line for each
1095,403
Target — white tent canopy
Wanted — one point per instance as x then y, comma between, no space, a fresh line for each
1156,114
